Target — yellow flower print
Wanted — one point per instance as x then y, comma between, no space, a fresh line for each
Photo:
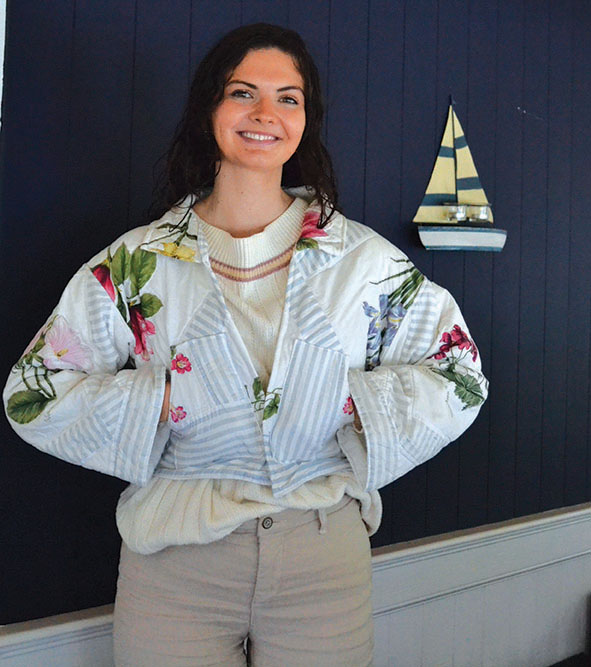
179,251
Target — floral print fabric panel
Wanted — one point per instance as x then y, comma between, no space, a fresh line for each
56,347
310,231
268,401
455,349
387,318
123,275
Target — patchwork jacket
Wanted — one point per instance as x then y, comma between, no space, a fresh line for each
360,324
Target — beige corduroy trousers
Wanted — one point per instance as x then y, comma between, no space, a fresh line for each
286,590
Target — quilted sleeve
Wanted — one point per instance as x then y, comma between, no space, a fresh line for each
422,386
69,396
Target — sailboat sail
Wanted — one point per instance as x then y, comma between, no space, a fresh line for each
454,178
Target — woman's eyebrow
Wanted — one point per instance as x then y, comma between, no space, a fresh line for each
253,87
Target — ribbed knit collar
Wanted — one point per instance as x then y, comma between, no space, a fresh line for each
277,237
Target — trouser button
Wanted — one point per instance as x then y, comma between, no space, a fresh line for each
267,522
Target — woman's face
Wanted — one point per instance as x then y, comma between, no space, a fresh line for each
261,118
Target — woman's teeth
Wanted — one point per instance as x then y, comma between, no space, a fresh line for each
258,137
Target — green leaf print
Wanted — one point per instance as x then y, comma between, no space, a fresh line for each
257,387
143,265
406,293
150,304
272,407
120,265
24,406
121,308
467,388
306,243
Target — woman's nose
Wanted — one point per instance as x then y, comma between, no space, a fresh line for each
263,112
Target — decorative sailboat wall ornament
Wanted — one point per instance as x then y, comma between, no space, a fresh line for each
455,213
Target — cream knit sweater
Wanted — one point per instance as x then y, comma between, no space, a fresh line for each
252,273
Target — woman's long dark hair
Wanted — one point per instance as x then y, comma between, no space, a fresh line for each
193,155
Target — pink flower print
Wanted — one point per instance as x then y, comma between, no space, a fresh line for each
439,355
177,414
142,328
63,348
181,364
103,275
348,407
309,226
310,231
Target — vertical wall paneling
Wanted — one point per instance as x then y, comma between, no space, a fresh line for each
558,227
478,274
266,11
468,615
419,128
534,119
383,173
210,20
504,356
311,19
159,92
448,267
347,104
99,159
577,341
437,633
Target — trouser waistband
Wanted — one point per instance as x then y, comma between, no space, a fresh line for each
290,518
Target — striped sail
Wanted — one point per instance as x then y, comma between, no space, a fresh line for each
454,178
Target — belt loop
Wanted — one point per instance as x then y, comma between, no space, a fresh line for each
322,520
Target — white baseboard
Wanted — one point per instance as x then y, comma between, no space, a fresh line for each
515,593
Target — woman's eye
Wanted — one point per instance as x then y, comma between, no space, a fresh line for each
289,99
241,93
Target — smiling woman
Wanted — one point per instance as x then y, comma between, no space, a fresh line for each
257,366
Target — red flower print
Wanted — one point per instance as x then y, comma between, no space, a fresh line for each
181,364
348,407
103,275
460,338
142,328
177,413
455,338
309,227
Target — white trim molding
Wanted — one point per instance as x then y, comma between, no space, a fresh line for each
415,572
513,593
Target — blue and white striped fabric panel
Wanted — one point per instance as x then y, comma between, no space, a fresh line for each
309,405
241,469
422,320
92,431
208,318
229,433
287,478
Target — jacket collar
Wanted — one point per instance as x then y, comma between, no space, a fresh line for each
178,233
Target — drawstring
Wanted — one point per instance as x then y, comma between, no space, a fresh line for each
322,520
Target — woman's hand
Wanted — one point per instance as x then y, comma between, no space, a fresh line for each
165,404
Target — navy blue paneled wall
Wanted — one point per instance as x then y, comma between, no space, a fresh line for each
91,97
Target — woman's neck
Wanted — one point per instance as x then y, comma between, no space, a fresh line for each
243,202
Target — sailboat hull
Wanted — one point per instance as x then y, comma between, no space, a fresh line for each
440,237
